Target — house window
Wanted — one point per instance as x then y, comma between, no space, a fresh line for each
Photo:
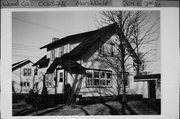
52,57
28,84
108,78
61,77
98,78
24,84
49,80
27,72
90,81
21,83
112,50
126,78
101,49
61,51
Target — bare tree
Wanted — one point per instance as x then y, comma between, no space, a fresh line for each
140,31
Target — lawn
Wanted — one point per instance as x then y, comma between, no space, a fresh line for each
107,108
134,107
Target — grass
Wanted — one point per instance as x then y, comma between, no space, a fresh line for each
93,107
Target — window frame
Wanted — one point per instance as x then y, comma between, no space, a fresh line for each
27,72
61,51
101,49
102,80
112,50
127,83
52,54
61,81
90,79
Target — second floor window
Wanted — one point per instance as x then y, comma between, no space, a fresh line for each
52,57
100,49
27,72
112,50
61,51
106,49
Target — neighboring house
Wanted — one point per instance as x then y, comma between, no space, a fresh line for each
23,77
70,61
153,84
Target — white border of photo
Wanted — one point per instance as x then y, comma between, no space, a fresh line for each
169,64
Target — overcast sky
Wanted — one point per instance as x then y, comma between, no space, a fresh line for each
32,30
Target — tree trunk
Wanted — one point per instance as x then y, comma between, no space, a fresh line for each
123,76
122,48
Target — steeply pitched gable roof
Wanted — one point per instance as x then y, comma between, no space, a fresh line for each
77,52
83,47
68,39
43,62
20,64
88,40
128,47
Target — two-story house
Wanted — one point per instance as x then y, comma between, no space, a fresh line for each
22,77
70,60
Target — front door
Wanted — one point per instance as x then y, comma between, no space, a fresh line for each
60,81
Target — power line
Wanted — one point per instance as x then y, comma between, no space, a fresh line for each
25,56
25,45
36,24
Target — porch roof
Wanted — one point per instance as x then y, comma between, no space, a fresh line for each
68,65
147,77
43,62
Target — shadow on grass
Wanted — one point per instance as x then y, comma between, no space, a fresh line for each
132,112
154,104
51,110
33,110
86,113
128,108
113,111
24,112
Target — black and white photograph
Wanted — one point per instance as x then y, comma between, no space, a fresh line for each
86,62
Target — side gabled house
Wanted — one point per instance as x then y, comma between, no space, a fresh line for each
70,60
23,78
